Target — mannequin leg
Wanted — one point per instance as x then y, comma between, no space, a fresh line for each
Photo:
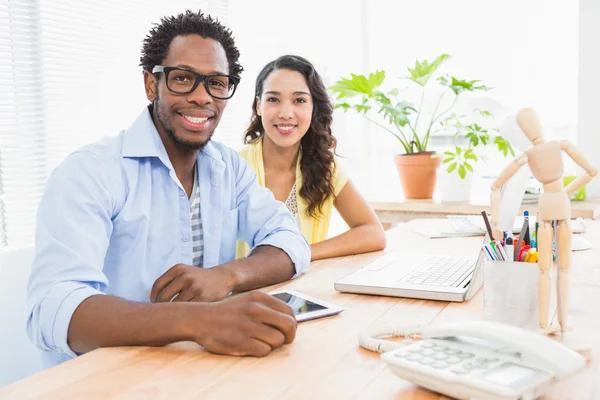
563,239
544,243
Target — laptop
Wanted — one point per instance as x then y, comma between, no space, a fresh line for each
430,277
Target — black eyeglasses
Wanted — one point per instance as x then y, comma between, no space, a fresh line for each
184,81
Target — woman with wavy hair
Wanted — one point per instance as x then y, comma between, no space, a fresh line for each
290,146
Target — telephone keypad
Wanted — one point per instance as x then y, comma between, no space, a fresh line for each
452,351
426,360
440,357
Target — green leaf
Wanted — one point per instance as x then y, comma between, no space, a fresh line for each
468,166
376,78
470,156
458,86
345,106
484,139
422,71
394,92
357,85
473,138
462,172
451,167
398,114
458,151
504,146
447,160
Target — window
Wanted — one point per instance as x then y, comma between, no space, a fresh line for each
68,77
524,50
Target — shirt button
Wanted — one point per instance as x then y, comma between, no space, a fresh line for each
181,192
185,238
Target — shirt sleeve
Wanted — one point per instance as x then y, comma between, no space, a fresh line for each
340,178
72,235
263,220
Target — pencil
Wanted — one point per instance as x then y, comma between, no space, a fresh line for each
487,224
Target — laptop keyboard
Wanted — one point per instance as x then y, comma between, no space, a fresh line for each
440,271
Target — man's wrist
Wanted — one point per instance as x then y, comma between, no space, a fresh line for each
230,275
190,320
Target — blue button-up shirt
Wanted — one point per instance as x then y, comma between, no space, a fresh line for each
114,217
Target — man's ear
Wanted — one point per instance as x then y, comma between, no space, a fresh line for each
150,86
258,106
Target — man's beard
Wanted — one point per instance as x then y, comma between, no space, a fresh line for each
183,144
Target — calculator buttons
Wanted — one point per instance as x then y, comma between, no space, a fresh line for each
428,352
466,355
453,360
439,364
439,347
441,356
415,349
428,345
414,357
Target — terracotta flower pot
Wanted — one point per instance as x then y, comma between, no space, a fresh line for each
418,173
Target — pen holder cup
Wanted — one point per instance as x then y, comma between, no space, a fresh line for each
510,292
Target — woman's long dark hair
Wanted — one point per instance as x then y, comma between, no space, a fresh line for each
318,145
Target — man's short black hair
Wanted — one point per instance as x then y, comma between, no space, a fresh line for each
156,45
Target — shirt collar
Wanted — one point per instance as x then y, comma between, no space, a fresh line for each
143,140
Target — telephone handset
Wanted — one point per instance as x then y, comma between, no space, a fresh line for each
474,359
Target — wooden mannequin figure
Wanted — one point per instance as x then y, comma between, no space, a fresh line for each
546,164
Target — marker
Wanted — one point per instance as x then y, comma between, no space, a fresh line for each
510,249
527,237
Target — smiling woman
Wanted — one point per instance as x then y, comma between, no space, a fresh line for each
291,148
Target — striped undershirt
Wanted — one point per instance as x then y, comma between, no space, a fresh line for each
197,236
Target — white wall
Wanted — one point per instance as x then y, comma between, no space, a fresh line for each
589,85
18,357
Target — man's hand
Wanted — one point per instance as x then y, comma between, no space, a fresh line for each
248,324
191,283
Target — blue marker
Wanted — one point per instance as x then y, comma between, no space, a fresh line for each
527,237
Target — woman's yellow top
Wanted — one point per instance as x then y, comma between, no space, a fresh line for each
314,229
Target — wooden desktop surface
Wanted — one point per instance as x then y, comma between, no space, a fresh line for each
325,361
402,211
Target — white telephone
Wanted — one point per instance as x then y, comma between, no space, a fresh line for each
475,359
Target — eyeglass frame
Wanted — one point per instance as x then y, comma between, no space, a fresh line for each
235,80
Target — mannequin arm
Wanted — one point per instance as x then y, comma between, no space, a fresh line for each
505,175
579,158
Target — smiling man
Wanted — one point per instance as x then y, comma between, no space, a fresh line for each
135,240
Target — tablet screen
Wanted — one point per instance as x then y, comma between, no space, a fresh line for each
298,304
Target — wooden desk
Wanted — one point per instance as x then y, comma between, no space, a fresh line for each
391,212
325,361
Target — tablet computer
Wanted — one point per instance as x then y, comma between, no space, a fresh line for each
306,307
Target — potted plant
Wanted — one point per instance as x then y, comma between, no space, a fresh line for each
457,162
406,121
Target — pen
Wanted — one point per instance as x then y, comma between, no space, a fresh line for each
487,253
487,224
491,252
500,250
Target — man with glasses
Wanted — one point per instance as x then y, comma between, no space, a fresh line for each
136,235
